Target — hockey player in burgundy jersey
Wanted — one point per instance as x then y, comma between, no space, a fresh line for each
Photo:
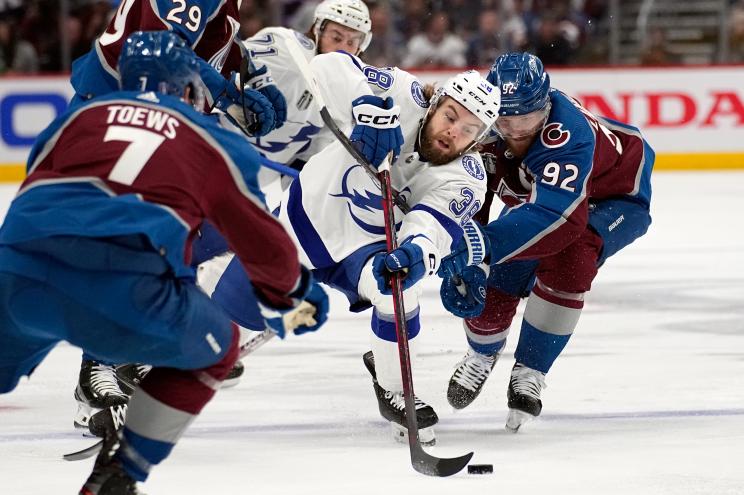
577,190
95,250
210,27
258,107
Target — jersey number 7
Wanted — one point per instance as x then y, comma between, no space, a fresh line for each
142,145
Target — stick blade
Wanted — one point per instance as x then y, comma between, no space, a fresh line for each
85,453
436,466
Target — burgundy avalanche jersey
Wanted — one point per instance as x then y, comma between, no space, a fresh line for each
576,160
208,26
130,163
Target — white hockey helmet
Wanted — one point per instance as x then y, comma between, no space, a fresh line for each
476,94
353,14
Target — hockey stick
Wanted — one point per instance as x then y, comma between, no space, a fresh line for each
422,461
278,167
303,314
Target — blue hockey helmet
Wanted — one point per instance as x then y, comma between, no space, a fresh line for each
523,82
159,61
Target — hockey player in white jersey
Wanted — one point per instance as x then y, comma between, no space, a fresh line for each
337,25
333,210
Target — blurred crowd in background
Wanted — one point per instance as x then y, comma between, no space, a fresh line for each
426,33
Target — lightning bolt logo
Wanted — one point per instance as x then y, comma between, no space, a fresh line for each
364,200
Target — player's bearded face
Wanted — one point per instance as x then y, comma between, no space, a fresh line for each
335,36
448,132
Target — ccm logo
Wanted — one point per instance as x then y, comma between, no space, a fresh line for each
477,98
378,120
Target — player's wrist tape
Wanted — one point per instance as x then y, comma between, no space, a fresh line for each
374,116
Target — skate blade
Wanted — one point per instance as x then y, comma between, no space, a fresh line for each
426,435
517,419
230,383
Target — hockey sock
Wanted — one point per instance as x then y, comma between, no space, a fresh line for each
166,403
549,321
487,332
385,347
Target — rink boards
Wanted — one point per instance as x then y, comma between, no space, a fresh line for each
692,116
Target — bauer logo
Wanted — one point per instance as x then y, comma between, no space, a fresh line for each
473,167
417,91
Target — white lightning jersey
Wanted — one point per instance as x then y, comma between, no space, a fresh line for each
335,207
303,134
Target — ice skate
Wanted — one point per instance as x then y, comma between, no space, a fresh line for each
392,408
130,376
107,421
233,377
469,377
97,389
108,476
524,403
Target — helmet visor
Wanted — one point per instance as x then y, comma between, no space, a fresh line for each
519,127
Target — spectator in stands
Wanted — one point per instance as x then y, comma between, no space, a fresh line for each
552,44
254,16
17,56
655,51
93,17
487,44
302,18
39,25
413,19
437,47
736,32
388,44
521,13
464,16
514,30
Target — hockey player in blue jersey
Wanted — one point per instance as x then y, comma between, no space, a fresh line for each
255,105
577,189
99,237
333,211
210,27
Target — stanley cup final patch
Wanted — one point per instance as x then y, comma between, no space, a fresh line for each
473,167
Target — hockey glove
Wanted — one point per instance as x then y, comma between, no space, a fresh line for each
301,318
248,109
261,81
473,249
465,295
408,258
377,130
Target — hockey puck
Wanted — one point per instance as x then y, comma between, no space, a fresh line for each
480,468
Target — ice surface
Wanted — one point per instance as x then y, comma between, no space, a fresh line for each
648,397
